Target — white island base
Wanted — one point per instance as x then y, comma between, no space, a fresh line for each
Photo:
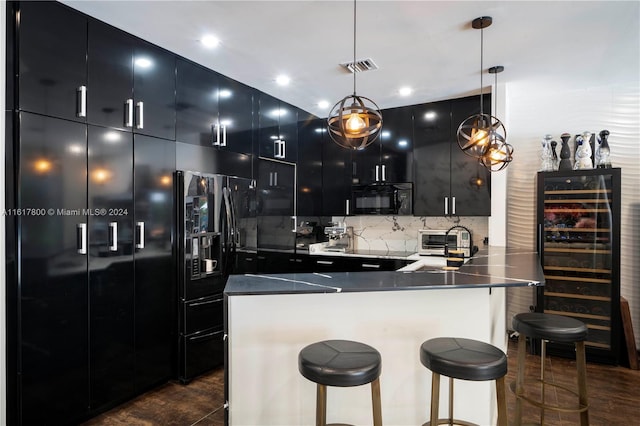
267,331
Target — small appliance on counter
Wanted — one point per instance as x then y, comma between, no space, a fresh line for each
308,233
340,237
435,242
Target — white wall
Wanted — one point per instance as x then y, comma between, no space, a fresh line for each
536,109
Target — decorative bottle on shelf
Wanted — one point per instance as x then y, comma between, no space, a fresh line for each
565,153
546,155
583,152
603,153
554,155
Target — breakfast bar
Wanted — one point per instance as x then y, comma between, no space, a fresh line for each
270,318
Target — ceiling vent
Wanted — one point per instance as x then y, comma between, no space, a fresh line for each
360,65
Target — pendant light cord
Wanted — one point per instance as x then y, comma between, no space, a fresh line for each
354,47
481,68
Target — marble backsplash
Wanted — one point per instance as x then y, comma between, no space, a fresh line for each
400,233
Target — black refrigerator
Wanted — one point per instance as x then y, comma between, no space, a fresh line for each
216,236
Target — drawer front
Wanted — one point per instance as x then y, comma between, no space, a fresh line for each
202,314
200,352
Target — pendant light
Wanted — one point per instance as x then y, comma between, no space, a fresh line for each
355,121
499,153
474,132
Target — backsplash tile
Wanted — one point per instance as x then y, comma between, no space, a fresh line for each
400,233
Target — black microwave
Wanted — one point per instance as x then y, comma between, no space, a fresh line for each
384,199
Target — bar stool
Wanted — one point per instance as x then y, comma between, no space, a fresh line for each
556,328
341,363
464,359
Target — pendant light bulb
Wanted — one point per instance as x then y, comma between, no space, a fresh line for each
355,123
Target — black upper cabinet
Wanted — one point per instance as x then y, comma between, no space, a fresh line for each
110,67
396,145
236,112
309,165
277,129
154,88
197,105
53,65
336,176
389,159
432,135
470,181
447,181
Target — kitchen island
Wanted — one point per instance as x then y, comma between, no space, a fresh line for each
271,317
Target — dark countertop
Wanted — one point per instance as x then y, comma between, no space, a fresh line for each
491,267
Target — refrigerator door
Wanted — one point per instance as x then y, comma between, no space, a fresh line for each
241,195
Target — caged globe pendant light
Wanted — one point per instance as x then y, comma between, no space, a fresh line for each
473,133
499,153
355,121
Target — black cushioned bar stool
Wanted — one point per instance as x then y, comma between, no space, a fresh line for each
464,359
341,363
555,328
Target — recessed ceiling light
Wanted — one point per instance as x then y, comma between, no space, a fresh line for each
430,115
405,91
323,104
385,134
224,93
143,62
210,41
283,80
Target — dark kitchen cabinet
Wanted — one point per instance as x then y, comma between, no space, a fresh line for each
52,69
309,166
277,129
389,159
270,262
275,188
52,292
447,181
131,83
111,281
336,176
95,286
236,112
197,105
154,163
579,244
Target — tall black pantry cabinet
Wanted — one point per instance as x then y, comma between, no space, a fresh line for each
91,284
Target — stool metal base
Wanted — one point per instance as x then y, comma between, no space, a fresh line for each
321,404
518,388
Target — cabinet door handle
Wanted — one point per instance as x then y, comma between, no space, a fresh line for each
453,205
377,173
275,178
446,205
128,113
113,236
215,134
81,238
324,262
384,173
140,111
81,107
346,210
140,243
270,178
294,219
370,265
224,135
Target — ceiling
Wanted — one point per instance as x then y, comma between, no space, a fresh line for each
429,46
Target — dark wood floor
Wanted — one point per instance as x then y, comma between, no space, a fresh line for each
614,398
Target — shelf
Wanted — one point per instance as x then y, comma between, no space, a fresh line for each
577,191
573,269
578,201
577,211
578,279
576,250
578,296
577,315
577,229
